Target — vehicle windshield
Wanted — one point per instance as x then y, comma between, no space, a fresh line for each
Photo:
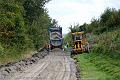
78,37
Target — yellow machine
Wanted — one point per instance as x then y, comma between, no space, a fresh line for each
80,43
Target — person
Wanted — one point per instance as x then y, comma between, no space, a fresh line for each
46,46
67,45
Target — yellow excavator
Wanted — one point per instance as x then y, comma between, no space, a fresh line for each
80,43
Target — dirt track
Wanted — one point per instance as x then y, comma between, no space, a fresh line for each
55,66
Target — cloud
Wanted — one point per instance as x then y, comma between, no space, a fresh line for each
68,12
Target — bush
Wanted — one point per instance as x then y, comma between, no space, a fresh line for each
23,25
108,44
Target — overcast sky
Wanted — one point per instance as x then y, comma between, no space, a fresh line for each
68,12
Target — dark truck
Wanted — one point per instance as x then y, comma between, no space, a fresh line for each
55,37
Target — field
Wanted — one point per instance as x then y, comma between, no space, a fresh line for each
97,68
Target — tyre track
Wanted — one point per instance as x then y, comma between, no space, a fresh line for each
55,66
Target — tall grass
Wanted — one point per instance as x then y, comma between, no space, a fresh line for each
105,53
108,44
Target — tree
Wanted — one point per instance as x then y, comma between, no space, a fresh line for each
33,9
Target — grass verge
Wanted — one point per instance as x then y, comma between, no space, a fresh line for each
14,56
89,71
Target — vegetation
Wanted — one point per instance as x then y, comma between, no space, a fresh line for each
107,22
23,27
89,71
104,37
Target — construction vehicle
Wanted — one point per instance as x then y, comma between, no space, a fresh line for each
56,39
80,43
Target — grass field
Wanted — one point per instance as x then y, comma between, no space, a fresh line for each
89,71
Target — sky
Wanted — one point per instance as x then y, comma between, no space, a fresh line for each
70,12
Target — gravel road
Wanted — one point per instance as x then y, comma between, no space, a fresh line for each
57,65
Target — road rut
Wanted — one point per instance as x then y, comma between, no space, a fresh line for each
56,66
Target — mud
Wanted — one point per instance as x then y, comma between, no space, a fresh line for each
57,65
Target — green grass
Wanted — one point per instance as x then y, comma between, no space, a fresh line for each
89,71
107,64
12,55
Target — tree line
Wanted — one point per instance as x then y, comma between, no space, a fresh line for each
23,25
104,32
108,21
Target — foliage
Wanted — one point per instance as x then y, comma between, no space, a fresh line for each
33,9
23,26
104,37
108,21
105,32
108,44
12,27
105,52
68,39
39,30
